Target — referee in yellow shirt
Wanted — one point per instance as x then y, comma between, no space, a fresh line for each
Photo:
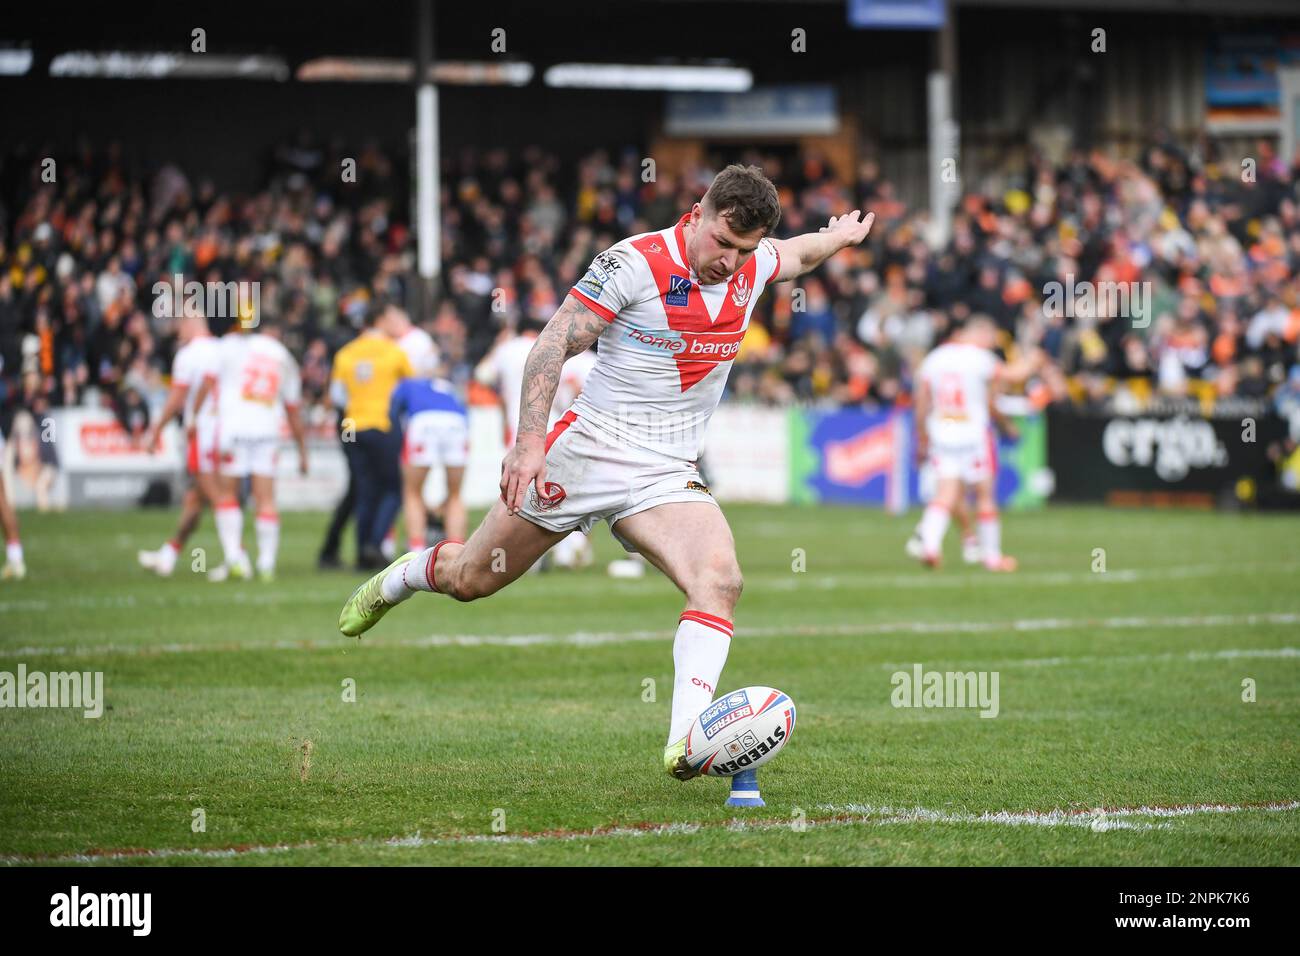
366,371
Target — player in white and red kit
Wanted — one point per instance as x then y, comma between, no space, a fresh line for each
955,405
196,358
424,356
256,381
503,369
669,309
414,341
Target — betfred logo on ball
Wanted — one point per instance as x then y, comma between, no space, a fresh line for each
739,731
722,713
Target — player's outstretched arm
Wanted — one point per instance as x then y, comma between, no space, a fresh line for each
572,330
1019,371
921,415
293,413
171,408
805,253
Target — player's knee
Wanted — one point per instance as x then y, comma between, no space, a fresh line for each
724,581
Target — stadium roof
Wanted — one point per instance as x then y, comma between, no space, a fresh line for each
684,30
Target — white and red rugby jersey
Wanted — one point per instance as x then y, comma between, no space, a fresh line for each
255,376
662,363
959,376
195,359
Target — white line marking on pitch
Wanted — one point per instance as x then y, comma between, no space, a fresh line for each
1224,655
834,582
853,814
591,638
782,581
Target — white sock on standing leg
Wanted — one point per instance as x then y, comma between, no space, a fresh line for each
934,525
699,653
991,537
230,531
268,539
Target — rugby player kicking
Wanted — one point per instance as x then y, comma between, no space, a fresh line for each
670,309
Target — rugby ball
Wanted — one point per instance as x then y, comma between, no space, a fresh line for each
740,731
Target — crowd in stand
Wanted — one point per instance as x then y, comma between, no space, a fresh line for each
1209,248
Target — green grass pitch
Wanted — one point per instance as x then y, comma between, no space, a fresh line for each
516,730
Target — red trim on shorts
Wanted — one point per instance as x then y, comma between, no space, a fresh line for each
708,620
567,419
604,311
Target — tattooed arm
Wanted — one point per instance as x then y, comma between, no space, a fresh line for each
571,330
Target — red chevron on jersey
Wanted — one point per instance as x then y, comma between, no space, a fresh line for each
707,339
663,360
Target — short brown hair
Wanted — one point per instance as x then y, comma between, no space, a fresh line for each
745,198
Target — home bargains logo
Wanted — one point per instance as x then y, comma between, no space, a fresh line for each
105,438
857,460
723,713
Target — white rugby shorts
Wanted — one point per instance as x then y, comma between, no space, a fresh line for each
243,456
436,439
591,475
971,461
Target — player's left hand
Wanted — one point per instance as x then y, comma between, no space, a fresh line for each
850,229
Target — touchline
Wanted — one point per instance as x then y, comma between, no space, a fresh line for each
78,689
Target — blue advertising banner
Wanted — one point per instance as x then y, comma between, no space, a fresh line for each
896,14
807,109
861,458
850,457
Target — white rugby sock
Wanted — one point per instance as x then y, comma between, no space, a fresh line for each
699,653
991,537
230,531
934,525
414,575
167,555
14,551
268,540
